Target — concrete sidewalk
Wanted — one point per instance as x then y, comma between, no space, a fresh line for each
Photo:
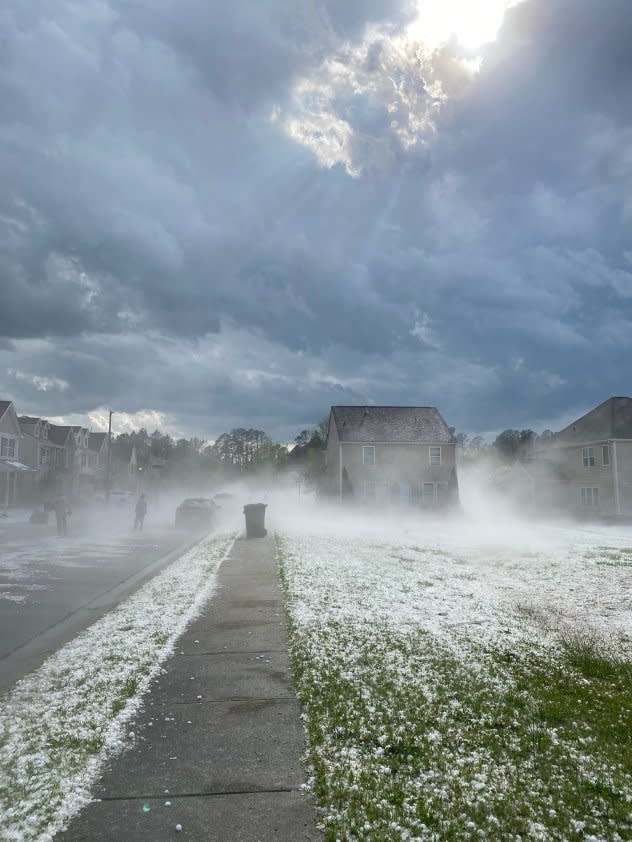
218,743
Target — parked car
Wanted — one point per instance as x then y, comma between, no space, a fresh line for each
196,512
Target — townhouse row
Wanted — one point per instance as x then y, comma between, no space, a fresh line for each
36,455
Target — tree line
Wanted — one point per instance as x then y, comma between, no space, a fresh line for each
509,446
241,451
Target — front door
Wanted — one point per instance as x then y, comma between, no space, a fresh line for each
405,493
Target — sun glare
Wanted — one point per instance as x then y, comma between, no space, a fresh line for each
472,22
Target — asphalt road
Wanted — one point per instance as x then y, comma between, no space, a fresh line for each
51,588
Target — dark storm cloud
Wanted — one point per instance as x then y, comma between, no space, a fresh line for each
163,178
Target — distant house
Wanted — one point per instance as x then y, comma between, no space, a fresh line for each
586,468
391,455
62,442
84,472
36,450
10,464
98,457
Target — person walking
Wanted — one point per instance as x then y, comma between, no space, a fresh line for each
141,511
62,510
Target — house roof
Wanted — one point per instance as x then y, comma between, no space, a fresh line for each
58,435
4,405
95,440
611,419
403,424
28,419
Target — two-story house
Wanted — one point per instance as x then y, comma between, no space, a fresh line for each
391,455
84,472
10,464
36,450
587,466
98,457
62,441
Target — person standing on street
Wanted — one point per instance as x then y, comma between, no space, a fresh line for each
141,511
62,510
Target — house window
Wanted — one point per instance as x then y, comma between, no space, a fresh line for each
7,448
590,497
83,460
605,455
368,456
588,457
434,455
59,459
428,493
44,456
369,490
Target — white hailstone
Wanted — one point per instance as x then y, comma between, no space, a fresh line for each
178,828
167,803
131,735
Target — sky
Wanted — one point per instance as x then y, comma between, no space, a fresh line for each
238,214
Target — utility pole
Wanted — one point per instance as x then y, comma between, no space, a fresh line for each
107,470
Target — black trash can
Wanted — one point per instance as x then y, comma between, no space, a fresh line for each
255,520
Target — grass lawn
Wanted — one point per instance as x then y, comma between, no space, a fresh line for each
444,697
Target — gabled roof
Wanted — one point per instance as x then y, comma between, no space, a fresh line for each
612,419
7,409
59,435
402,424
95,441
28,419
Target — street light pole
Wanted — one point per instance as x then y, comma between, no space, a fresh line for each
107,470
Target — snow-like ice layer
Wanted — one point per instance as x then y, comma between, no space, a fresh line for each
58,724
480,574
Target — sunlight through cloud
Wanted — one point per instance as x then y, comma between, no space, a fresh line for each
471,23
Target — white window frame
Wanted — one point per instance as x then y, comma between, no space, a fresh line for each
44,456
588,457
605,455
366,449
7,447
590,497
436,457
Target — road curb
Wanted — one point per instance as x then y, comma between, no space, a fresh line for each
35,651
